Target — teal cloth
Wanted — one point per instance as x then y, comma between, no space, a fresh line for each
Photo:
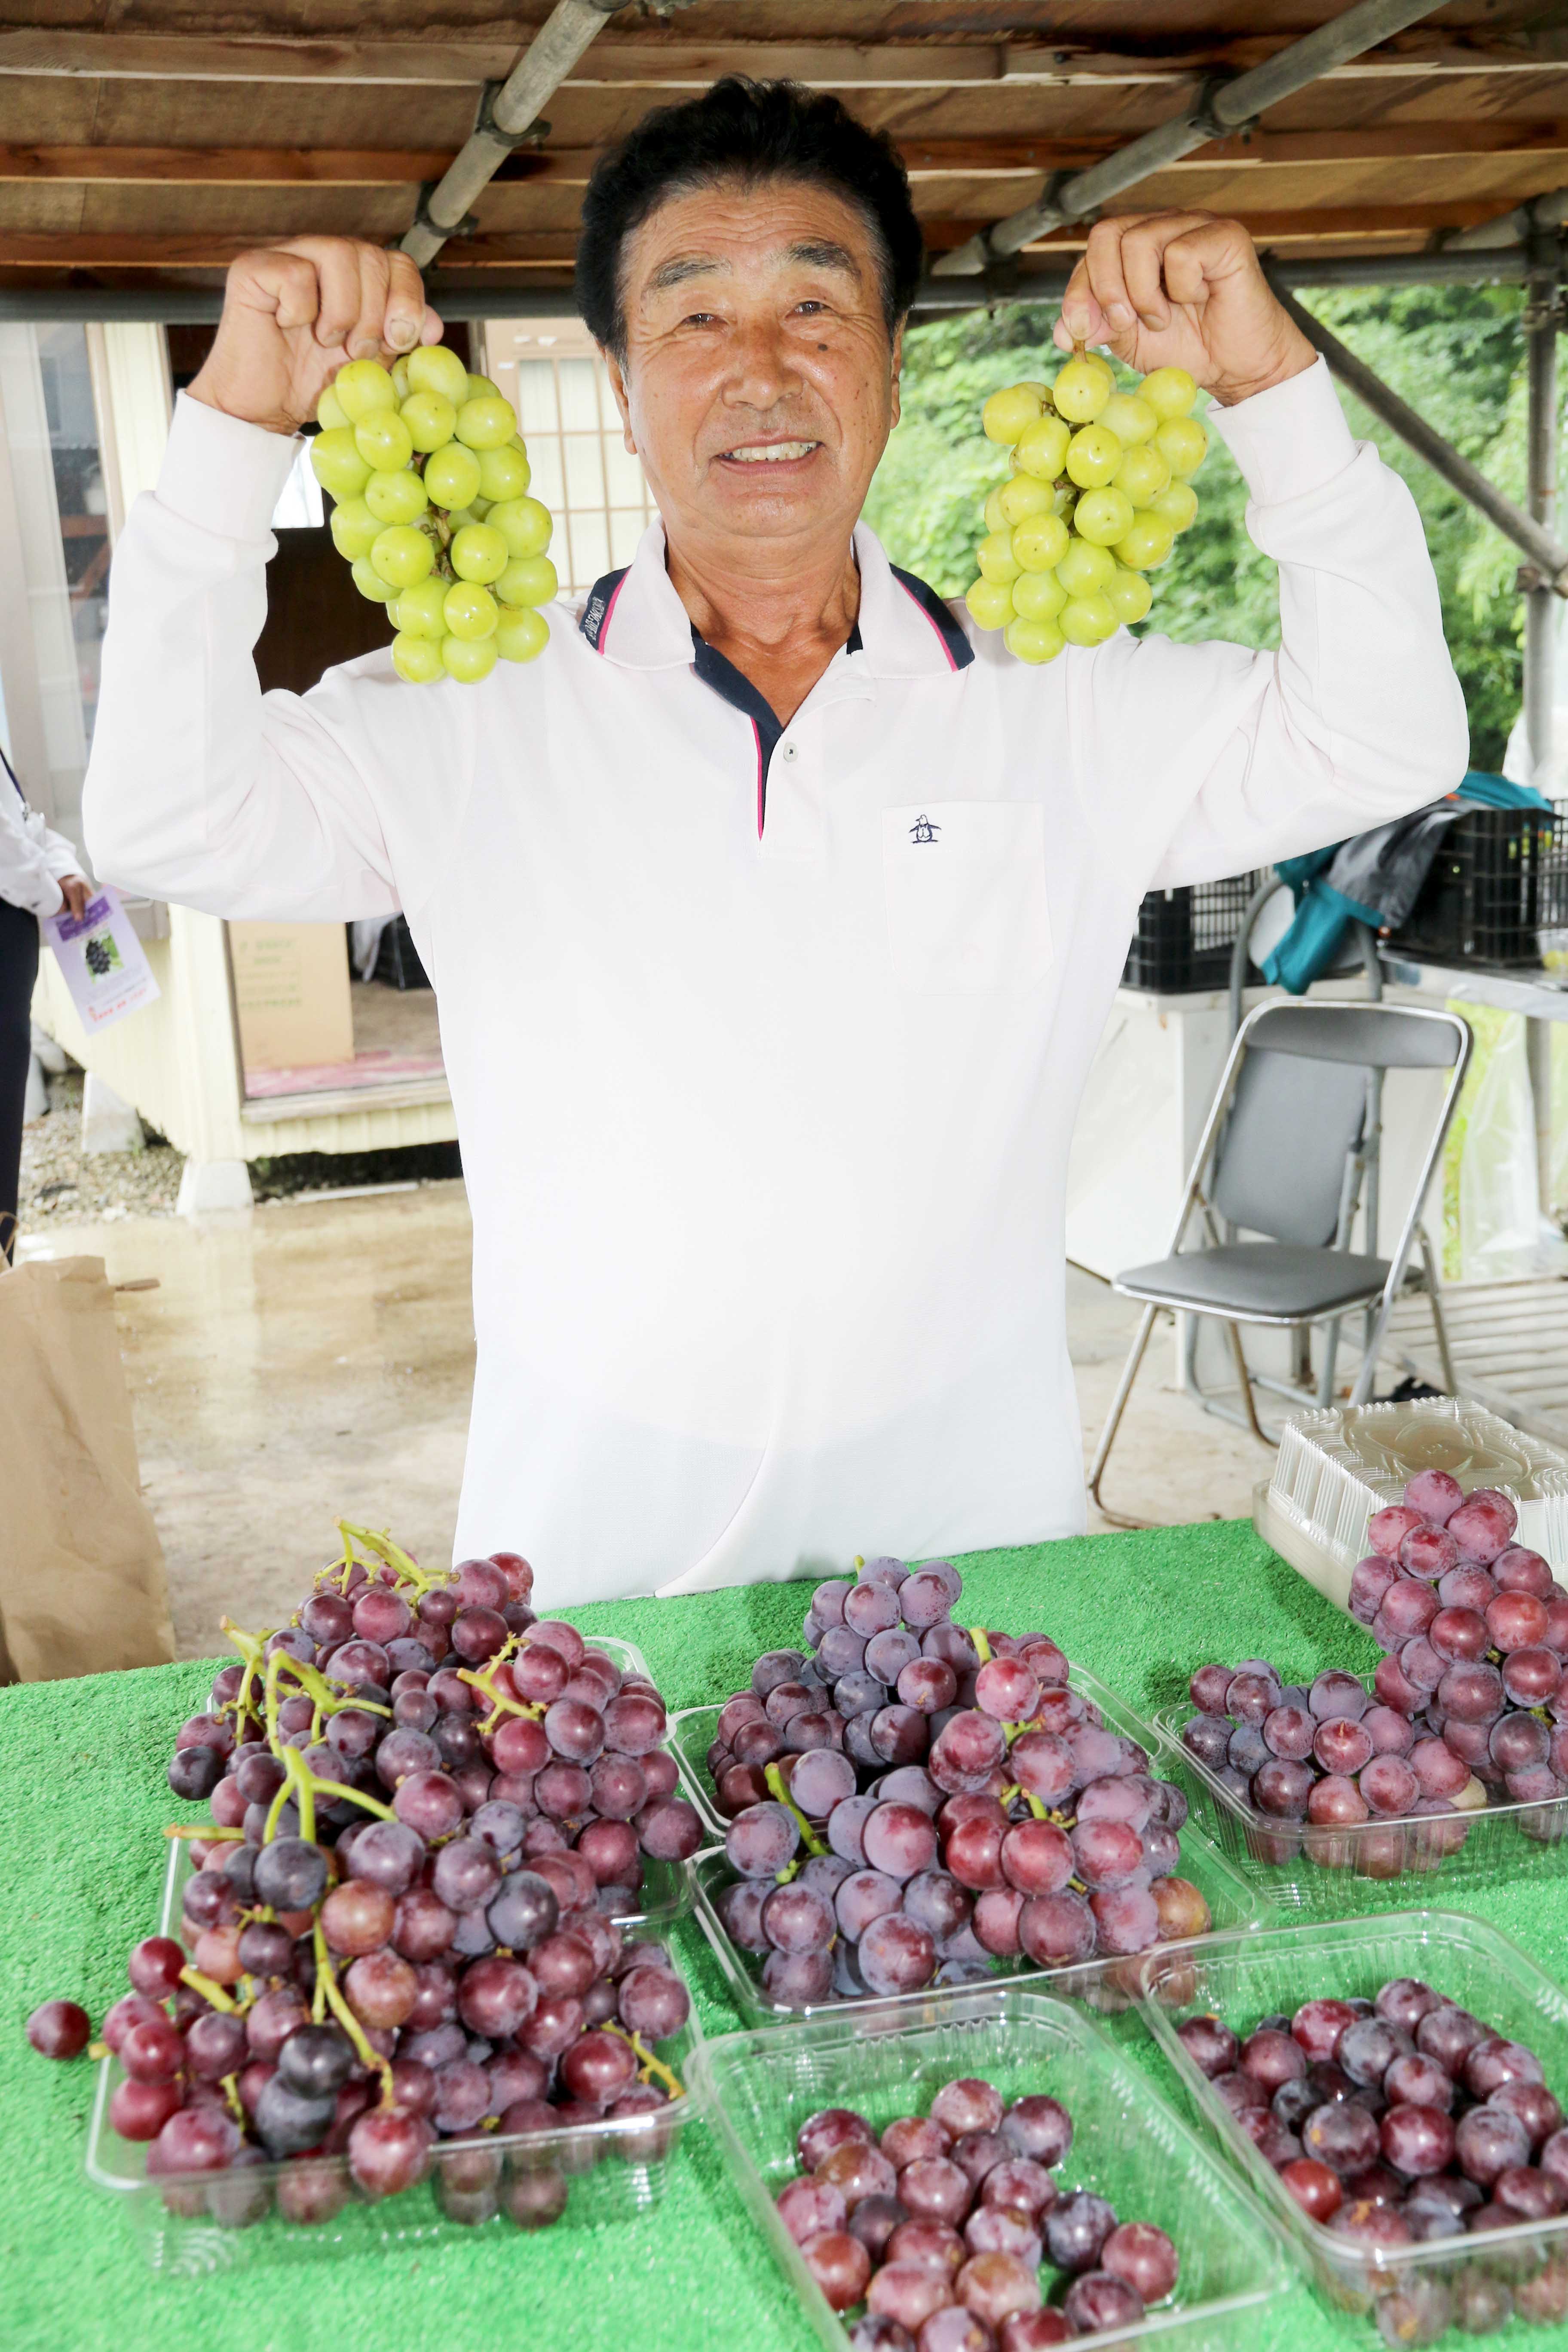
82,1864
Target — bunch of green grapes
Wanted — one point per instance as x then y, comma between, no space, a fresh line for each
1098,492
431,482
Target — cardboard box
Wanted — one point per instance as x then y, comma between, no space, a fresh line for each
291,993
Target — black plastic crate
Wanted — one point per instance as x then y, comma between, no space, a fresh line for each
1185,936
397,963
1499,876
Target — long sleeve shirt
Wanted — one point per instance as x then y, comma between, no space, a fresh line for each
34,860
765,1042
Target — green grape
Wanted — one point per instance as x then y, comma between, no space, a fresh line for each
993,512
1085,569
383,441
1042,448
478,552
521,635
470,610
1168,390
431,421
1019,498
997,560
354,528
459,517
528,579
468,659
523,523
336,463
486,422
1093,455
362,388
1008,415
369,581
434,368
1039,544
402,556
483,387
1087,619
504,472
1103,516
419,659
418,611
990,603
400,383
330,414
1148,543
1130,418
1081,390
479,508
1141,475
1033,641
396,497
1182,443
1038,597
1179,505
1129,594
452,476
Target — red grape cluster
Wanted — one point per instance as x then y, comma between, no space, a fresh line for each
1464,1709
1405,2121
401,1933
956,1801
942,2224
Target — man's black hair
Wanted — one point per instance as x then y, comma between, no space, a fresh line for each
754,131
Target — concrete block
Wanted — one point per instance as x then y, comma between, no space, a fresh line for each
36,1101
54,1059
107,1123
207,1186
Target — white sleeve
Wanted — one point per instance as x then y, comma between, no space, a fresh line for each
32,858
1210,758
200,788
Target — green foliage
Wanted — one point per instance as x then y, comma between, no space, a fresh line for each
1453,352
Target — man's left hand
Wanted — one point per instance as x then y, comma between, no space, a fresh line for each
76,890
1183,289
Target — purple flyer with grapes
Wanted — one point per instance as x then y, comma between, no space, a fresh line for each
101,960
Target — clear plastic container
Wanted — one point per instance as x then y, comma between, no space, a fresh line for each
189,2224
1322,1873
1336,1467
890,2058
1245,1977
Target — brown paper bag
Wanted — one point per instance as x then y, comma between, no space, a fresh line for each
82,1589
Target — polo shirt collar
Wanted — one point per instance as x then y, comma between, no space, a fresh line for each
635,619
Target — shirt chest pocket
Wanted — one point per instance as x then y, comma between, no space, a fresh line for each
965,883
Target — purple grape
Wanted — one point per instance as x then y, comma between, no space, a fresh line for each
895,1954
760,1842
1075,2229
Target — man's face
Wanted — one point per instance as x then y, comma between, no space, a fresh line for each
754,324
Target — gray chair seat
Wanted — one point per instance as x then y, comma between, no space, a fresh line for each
1270,1278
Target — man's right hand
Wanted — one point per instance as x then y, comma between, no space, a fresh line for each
293,313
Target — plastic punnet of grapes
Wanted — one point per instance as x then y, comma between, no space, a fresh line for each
997,560
471,611
369,581
486,422
1093,455
435,368
402,556
1042,451
523,523
1008,415
1103,517
1085,569
353,527
396,497
1141,475
1082,389
337,465
362,388
1130,418
417,659
1033,641
1087,619
1019,496
1038,597
1168,390
1129,594
383,441
990,603
1182,443
479,552
431,421
419,611
504,472
1039,542
468,659
528,579
452,476
521,636
1147,544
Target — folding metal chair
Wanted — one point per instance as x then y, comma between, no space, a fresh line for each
1283,1154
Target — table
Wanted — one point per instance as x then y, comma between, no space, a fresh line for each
1510,992
81,1864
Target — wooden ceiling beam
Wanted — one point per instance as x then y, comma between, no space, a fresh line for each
926,159
443,57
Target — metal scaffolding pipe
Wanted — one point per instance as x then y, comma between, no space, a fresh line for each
1516,227
1507,266
1535,540
1223,108
1539,604
504,120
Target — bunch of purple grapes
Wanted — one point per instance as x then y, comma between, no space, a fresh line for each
1464,1709
912,1801
942,2226
1405,2121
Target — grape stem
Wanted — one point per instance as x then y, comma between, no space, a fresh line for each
370,2060
208,1990
649,2065
297,1774
406,1568
198,1830
809,1838
231,2092
499,1704
1009,1796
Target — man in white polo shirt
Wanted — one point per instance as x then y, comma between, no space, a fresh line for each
773,916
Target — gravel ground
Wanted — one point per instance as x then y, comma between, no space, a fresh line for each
61,1184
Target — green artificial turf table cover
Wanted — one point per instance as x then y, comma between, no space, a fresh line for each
82,1859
